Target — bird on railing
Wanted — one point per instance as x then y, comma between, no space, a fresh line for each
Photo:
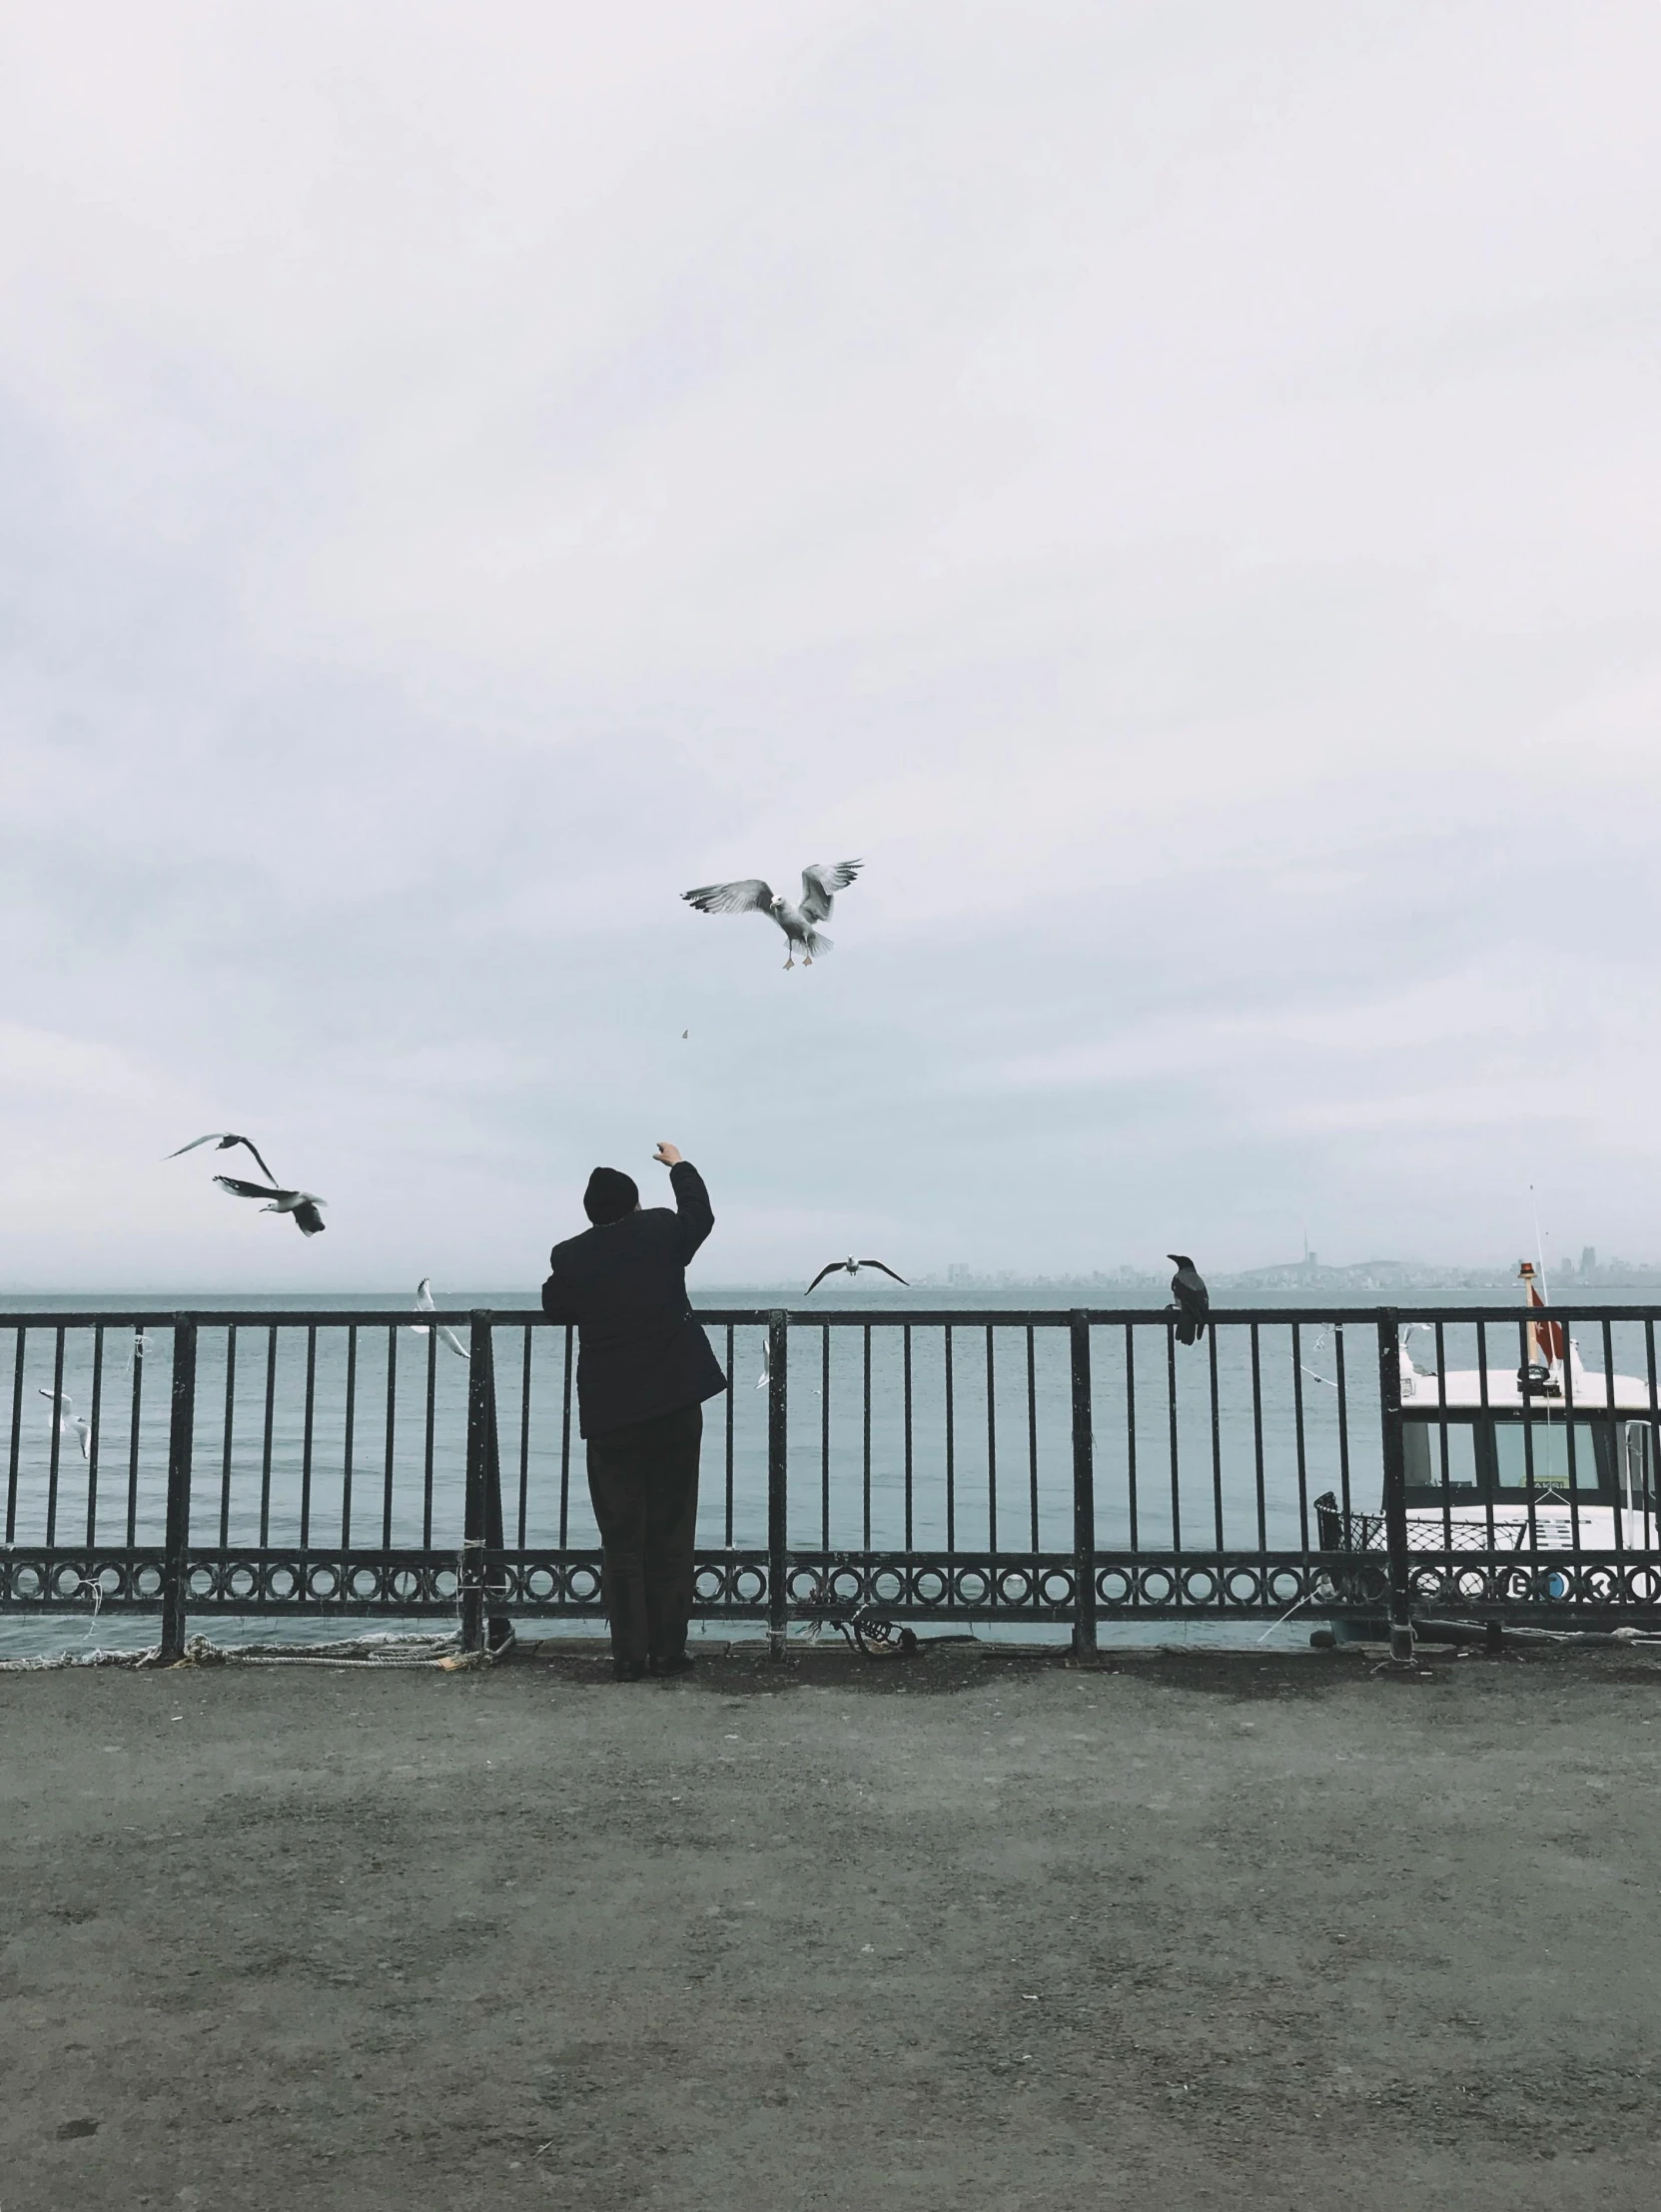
1193,1300
425,1304
303,1205
222,1140
800,923
851,1267
70,1423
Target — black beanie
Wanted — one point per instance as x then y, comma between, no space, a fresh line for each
610,1195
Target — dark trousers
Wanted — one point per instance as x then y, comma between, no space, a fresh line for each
643,1480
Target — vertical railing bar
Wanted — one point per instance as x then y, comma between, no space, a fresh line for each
1528,1448
1031,1433
524,1434
1297,1436
133,1438
1616,1455
427,1440
778,1481
1257,1436
1652,1459
1217,1449
731,1394
57,1437
181,1441
1396,1486
94,1427
391,1438
824,1434
1343,1416
348,1437
865,1440
1130,1434
308,1432
951,1459
19,1336
990,1446
1569,1443
475,1509
1084,1489
905,1343
1441,1411
566,1435
1176,1480
265,1440
1488,1465
228,1445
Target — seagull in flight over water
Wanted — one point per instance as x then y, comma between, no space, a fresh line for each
222,1140
800,923
851,1267
425,1304
303,1205
70,1423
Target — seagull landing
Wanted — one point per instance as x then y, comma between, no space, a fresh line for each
850,1268
1193,1300
222,1140
303,1205
70,1423
820,883
423,1304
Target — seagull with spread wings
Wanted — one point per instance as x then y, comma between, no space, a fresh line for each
70,1423
851,1267
222,1140
425,1304
800,923
303,1205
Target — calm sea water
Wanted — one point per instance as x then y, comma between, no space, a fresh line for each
952,1446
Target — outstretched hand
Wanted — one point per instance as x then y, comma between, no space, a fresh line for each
668,1154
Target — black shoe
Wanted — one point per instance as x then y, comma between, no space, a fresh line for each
681,1662
628,1669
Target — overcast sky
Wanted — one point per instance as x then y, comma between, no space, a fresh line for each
1176,488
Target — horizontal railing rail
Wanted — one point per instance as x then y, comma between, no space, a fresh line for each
1015,1465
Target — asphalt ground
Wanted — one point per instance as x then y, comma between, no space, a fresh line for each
974,1929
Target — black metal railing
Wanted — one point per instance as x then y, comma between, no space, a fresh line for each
1028,1466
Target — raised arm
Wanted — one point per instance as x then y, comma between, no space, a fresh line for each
694,1217
558,1300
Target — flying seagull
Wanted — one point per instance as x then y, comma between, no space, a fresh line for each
1193,1300
222,1140
303,1205
70,1423
423,1304
850,1268
800,923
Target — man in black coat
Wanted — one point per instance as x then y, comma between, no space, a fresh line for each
644,1368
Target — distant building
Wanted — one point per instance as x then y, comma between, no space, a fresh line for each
1588,1261
958,1271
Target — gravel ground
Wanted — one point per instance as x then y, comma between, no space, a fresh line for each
975,1930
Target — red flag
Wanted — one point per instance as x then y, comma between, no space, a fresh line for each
1548,1335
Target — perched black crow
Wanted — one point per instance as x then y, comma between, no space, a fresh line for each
1193,1300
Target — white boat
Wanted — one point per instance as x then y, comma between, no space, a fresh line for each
1547,1455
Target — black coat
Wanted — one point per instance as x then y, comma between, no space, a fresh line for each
624,1285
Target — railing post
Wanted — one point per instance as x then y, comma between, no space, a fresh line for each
778,1496
1084,1496
476,1507
1396,1486
181,1435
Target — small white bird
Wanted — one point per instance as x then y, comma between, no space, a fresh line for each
222,1140
850,1268
800,923
425,1304
70,1423
303,1205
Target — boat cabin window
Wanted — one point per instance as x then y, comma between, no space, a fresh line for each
1549,1442
1423,1448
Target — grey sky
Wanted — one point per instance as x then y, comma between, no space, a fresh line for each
1176,488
